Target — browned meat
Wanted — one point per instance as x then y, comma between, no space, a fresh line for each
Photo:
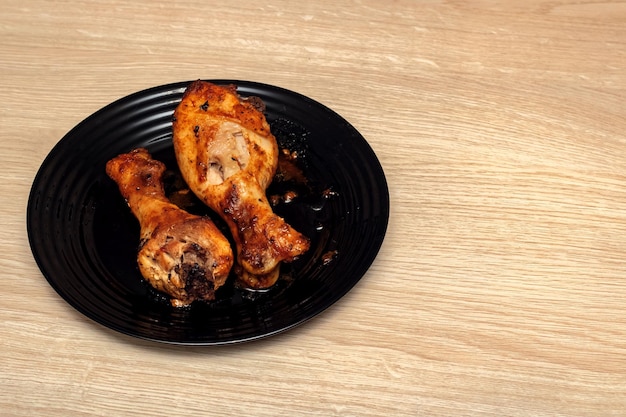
228,157
183,255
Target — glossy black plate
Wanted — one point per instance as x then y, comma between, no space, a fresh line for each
85,239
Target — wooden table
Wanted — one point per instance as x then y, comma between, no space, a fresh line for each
500,288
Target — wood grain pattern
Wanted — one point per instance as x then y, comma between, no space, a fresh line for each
501,286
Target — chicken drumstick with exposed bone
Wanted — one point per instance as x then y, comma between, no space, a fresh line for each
181,254
228,157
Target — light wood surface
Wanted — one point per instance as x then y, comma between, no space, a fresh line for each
500,288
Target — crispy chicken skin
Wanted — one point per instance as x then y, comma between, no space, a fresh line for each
181,254
228,157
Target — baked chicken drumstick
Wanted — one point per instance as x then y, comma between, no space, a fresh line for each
181,254
228,157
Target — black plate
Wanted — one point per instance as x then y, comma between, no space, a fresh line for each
85,239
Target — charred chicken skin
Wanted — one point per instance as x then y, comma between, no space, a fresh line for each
228,157
181,254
